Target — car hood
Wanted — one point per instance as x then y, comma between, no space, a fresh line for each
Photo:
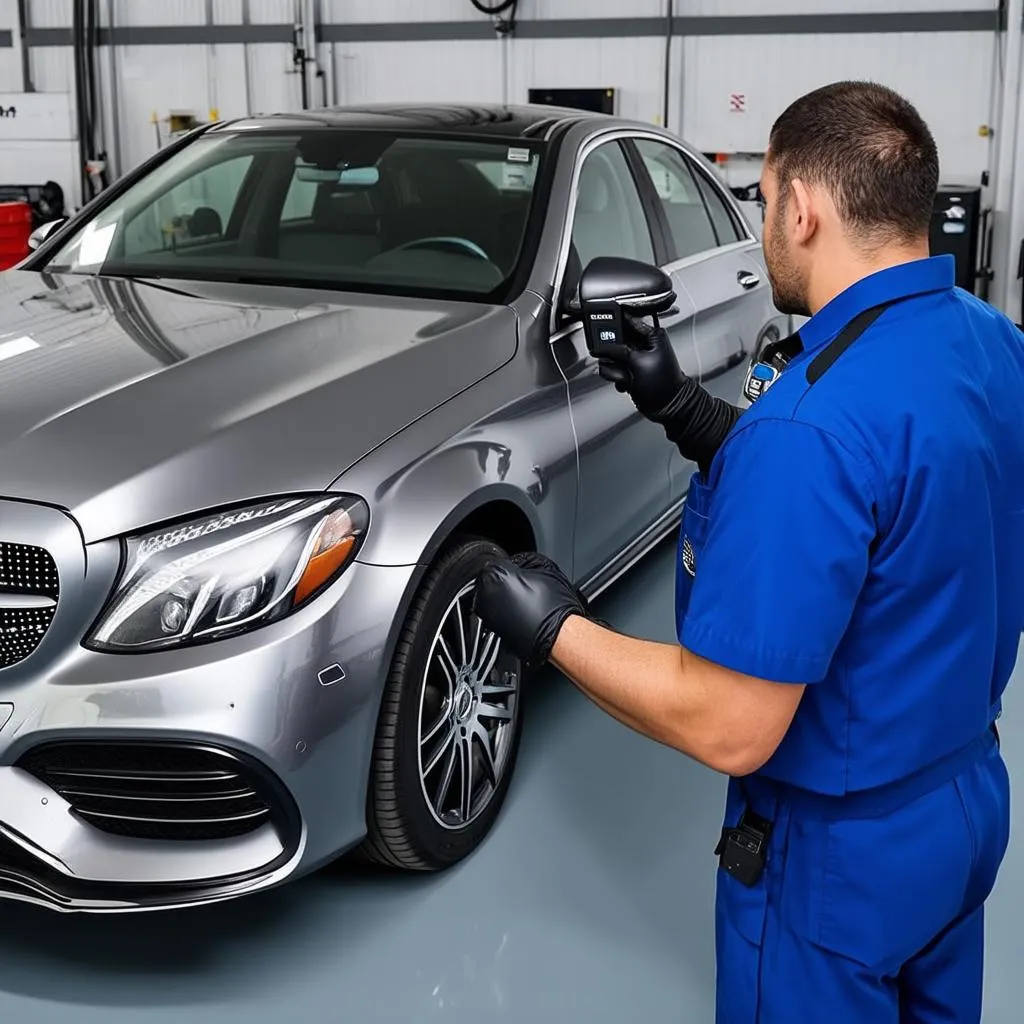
131,402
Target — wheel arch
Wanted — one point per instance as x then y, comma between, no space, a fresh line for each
496,515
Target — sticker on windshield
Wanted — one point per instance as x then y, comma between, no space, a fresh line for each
518,155
516,179
94,244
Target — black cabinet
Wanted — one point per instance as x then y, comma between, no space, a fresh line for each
957,228
600,101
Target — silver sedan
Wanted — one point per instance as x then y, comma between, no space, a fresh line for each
267,406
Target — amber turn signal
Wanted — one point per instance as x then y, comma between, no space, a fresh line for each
334,543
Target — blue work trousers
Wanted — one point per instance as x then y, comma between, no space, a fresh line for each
875,920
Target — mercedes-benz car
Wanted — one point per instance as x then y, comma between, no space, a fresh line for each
267,406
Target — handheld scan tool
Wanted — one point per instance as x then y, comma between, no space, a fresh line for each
612,286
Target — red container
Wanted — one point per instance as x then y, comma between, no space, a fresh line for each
15,227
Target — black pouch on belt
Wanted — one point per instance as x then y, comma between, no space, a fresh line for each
742,850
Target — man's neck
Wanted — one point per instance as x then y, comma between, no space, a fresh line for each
845,271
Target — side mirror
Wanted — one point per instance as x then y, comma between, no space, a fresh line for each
612,285
42,232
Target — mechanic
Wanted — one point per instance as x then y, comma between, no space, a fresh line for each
850,592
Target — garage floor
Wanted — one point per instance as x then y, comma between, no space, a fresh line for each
591,901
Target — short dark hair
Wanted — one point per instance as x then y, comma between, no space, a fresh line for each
870,148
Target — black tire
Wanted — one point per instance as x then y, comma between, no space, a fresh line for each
403,830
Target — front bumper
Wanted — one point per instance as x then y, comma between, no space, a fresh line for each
294,703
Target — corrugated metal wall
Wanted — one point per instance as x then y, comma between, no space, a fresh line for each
942,53
948,73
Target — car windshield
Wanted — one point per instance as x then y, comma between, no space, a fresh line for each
329,208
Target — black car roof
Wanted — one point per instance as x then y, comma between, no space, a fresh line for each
495,120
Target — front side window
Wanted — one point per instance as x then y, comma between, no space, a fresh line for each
609,218
197,208
331,208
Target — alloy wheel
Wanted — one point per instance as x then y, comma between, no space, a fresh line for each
469,703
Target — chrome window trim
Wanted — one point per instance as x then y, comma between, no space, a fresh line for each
615,135
705,254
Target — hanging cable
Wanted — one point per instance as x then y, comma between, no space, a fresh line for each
27,83
93,175
504,26
78,46
668,62
99,149
499,7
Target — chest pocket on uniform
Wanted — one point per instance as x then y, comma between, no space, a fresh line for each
692,535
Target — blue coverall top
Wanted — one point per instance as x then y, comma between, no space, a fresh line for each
865,535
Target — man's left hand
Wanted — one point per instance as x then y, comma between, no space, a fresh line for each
525,600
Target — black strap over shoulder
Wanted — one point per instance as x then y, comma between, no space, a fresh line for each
846,337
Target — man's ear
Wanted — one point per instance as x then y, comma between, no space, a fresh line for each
803,218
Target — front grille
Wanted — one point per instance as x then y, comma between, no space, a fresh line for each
29,590
154,791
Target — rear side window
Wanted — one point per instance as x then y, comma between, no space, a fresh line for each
689,223
724,223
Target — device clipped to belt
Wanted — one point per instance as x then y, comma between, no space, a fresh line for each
742,850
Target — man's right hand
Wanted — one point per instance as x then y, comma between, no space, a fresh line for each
647,369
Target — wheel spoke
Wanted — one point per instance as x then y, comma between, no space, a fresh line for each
485,743
476,642
485,710
446,711
488,657
448,666
437,755
497,689
446,778
457,610
466,802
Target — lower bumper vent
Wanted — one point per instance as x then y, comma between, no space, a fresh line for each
154,791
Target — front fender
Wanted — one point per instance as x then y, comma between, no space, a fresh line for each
480,448
414,513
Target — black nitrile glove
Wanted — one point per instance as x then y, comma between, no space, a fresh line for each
525,600
694,420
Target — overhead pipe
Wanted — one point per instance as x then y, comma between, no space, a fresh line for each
1006,216
115,102
78,44
211,66
669,18
27,84
247,69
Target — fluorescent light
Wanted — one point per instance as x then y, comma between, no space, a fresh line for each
17,346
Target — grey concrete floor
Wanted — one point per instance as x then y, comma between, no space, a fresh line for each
591,901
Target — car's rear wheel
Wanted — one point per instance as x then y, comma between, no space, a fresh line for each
449,726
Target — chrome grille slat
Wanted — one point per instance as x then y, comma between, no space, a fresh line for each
152,776
239,794
249,816
25,602
29,592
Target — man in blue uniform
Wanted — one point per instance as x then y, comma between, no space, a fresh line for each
850,592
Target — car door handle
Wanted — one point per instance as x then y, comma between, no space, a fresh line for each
747,279
716,371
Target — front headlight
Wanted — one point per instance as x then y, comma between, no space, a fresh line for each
228,572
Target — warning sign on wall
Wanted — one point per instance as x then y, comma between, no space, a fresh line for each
737,102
